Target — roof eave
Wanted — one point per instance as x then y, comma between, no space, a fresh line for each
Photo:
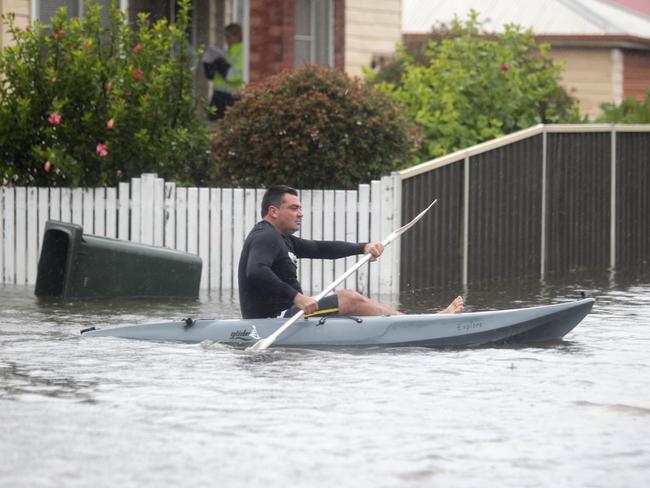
622,41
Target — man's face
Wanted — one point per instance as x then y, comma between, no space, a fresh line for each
232,38
288,216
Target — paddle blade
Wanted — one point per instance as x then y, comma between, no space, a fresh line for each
260,345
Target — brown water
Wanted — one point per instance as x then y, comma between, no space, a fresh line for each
111,412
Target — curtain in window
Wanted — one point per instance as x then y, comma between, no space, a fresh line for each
313,32
322,28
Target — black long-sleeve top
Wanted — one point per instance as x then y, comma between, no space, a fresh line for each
268,278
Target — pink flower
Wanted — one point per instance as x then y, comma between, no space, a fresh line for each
102,150
53,80
137,48
109,124
137,74
54,118
47,167
505,67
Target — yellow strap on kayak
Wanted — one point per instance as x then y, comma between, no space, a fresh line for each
322,312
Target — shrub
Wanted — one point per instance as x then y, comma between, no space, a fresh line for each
83,105
311,128
468,87
629,111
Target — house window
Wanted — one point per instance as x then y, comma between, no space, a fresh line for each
314,33
45,9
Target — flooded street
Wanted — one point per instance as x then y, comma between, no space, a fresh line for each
108,412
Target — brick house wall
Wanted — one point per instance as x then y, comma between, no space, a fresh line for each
271,37
339,34
636,73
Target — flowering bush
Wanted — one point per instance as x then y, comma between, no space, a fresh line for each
465,87
310,128
83,104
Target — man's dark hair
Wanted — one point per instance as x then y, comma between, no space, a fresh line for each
234,29
274,195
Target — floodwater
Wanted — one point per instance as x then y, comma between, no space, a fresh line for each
106,412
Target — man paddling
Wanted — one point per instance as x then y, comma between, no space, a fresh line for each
268,280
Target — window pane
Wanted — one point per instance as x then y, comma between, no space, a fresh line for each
303,17
301,53
47,8
238,12
323,19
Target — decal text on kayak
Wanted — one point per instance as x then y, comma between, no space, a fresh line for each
245,335
241,335
469,326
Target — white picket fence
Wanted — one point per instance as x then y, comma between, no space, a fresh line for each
209,222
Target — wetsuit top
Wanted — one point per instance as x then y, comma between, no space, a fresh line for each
268,279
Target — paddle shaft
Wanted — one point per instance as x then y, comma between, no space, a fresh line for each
266,342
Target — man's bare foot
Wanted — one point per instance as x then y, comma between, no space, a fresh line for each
456,306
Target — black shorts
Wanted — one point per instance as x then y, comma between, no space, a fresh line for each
219,103
328,305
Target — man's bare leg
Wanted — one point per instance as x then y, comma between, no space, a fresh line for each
353,303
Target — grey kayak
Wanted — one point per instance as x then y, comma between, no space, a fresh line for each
519,326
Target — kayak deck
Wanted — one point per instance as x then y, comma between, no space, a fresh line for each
518,326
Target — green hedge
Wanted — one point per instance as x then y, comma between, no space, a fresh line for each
629,111
311,128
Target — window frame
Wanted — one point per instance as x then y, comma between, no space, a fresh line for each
311,38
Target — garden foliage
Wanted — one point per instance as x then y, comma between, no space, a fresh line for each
311,128
84,103
465,87
629,111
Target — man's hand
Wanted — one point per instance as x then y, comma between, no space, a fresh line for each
374,248
306,304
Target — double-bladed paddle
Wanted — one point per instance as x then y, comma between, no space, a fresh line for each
266,342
